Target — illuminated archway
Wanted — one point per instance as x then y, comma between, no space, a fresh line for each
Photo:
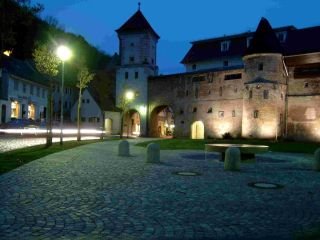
197,130
131,123
162,122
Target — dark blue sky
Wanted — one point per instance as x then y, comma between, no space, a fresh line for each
177,21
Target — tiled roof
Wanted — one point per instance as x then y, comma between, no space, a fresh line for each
298,41
264,40
137,23
23,69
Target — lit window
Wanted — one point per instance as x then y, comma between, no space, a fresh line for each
15,108
255,113
225,46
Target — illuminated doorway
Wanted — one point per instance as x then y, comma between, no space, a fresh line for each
197,130
131,123
108,125
162,122
15,109
31,111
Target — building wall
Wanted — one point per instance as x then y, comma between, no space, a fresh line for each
91,114
69,100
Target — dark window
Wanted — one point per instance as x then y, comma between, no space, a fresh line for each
281,96
281,118
98,119
145,61
132,44
233,113
265,94
209,110
187,93
182,122
83,101
83,119
225,63
131,59
260,66
43,93
152,61
255,113
16,85
194,66
250,94
181,112
88,100
209,92
220,91
196,93
65,104
136,75
306,84
221,114
31,89
126,75
232,76
38,91
194,110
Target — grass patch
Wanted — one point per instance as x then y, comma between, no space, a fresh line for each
312,234
280,146
13,159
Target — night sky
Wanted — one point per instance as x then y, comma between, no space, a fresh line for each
177,21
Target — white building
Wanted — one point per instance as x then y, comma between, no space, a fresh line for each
23,93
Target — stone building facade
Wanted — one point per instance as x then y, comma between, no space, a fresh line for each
262,84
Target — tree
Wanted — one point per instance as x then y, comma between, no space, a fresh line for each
84,78
47,63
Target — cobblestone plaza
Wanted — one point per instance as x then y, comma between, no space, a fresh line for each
90,193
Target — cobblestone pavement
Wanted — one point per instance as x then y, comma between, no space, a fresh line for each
91,193
9,142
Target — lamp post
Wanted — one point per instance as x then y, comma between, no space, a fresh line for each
64,54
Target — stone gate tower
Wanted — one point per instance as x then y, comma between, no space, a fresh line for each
264,85
138,52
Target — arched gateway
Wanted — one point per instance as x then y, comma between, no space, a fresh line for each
131,123
162,122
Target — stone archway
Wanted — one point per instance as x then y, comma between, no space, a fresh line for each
162,122
131,123
197,130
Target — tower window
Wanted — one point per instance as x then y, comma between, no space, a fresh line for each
194,110
306,84
131,59
181,112
136,75
250,94
225,63
260,67
126,75
265,94
194,66
255,113
209,110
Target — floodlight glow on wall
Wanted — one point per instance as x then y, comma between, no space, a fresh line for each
129,95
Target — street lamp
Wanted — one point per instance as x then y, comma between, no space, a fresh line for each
64,54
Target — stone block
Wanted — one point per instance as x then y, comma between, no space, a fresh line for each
153,153
123,149
232,159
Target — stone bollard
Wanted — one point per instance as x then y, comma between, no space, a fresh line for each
232,159
123,149
317,160
153,153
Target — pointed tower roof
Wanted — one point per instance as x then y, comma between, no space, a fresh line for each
264,40
137,23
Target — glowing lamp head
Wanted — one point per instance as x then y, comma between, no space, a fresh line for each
63,53
129,95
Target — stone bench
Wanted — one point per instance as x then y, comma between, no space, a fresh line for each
247,151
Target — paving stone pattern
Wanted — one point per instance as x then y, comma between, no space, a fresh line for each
91,193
